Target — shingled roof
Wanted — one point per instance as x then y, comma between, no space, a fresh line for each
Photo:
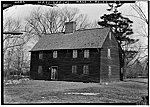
89,38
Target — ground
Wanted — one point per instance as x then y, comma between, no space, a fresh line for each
36,91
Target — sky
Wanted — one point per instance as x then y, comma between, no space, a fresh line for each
94,11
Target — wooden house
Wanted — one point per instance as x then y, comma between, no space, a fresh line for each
90,55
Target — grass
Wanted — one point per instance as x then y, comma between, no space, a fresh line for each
55,92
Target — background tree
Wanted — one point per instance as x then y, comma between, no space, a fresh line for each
11,41
121,26
142,15
11,37
52,20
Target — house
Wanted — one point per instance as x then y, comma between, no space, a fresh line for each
90,55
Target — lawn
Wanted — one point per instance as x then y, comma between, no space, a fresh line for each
34,91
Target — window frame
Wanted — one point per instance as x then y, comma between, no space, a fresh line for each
55,54
40,69
86,53
41,55
75,54
110,35
86,70
109,53
109,70
74,69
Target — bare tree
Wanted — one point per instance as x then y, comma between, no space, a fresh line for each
143,16
52,20
94,24
142,31
12,39
139,10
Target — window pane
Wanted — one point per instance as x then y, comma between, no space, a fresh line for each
40,55
109,70
85,69
108,53
74,69
110,35
54,54
40,69
74,53
86,53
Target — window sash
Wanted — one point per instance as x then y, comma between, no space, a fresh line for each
109,35
86,53
74,53
109,53
54,54
40,55
40,69
109,70
74,69
85,69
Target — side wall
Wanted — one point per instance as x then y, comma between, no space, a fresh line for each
64,63
110,66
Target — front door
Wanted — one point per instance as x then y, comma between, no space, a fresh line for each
54,73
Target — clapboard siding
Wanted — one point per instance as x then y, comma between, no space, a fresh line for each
64,62
113,61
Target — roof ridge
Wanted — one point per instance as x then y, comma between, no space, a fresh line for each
76,31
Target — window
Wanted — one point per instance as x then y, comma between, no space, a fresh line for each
74,53
109,35
54,54
109,70
86,69
40,69
86,53
74,69
40,55
109,53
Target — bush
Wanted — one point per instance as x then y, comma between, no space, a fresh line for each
131,73
135,70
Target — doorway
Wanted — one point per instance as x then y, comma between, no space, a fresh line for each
54,72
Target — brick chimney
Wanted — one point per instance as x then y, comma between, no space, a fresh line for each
70,27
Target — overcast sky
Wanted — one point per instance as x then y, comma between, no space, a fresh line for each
94,11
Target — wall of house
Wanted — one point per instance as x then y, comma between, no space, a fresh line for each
34,66
64,63
113,61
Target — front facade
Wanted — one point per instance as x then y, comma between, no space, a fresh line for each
91,55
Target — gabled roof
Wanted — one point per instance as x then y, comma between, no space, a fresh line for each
89,38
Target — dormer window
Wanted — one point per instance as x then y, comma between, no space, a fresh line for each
41,55
86,53
74,53
54,54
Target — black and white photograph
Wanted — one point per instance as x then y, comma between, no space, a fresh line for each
75,52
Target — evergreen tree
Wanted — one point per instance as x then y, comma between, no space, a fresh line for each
120,26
